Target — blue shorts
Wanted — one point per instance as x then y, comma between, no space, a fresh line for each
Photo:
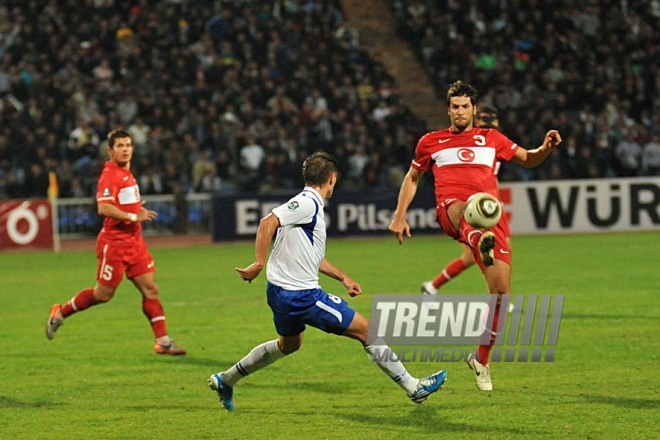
292,309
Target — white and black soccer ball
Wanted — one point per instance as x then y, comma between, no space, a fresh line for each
482,210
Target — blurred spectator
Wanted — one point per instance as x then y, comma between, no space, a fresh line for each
103,75
83,148
651,156
203,173
629,154
127,108
77,188
150,182
14,188
218,73
140,133
595,64
357,161
252,154
83,140
186,77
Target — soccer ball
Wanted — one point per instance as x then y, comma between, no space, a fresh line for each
482,210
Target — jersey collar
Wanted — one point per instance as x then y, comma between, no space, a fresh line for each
315,194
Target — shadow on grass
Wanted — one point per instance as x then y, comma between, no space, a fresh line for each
624,402
11,402
429,420
215,364
294,385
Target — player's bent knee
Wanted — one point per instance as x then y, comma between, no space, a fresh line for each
287,350
290,344
150,293
103,293
499,291
358,329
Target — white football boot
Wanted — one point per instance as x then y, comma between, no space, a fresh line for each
482,373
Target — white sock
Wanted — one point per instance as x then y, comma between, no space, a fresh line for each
261,356
392,366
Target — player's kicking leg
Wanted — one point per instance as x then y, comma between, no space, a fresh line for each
487,248
498,278
259,357
382,355
225,392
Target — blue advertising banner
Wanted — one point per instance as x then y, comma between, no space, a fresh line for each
544,207
364,213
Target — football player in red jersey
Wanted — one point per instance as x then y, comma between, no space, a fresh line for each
120,247
463,159
486,117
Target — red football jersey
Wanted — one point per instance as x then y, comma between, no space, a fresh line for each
118,187
463,163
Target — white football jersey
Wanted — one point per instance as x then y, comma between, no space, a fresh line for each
299,244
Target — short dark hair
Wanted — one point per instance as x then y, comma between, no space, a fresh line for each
318,167
488,110
115,134
459,88
488,116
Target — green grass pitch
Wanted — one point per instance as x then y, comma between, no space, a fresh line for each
99,378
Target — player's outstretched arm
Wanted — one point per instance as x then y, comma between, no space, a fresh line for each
535,157
332,271
267,227
399,226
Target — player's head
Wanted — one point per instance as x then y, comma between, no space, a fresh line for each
320,169
120,147
460,105
487,117
116,134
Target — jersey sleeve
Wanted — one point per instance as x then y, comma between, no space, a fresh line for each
298,210
422,161
107,189
505,148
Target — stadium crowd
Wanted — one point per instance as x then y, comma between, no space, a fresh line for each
219,96
232,95
589,69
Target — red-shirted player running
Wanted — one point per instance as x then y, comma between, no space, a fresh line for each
462,159
120,247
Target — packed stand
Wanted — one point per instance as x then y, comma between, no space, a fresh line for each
220,96
588,69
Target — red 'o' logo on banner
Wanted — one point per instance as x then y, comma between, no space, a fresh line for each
465,155
26,223
22,235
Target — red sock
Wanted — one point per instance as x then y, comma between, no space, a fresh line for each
450,271
153,310
470,234
83,300
484,350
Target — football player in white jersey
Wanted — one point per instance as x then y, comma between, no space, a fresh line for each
295,295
